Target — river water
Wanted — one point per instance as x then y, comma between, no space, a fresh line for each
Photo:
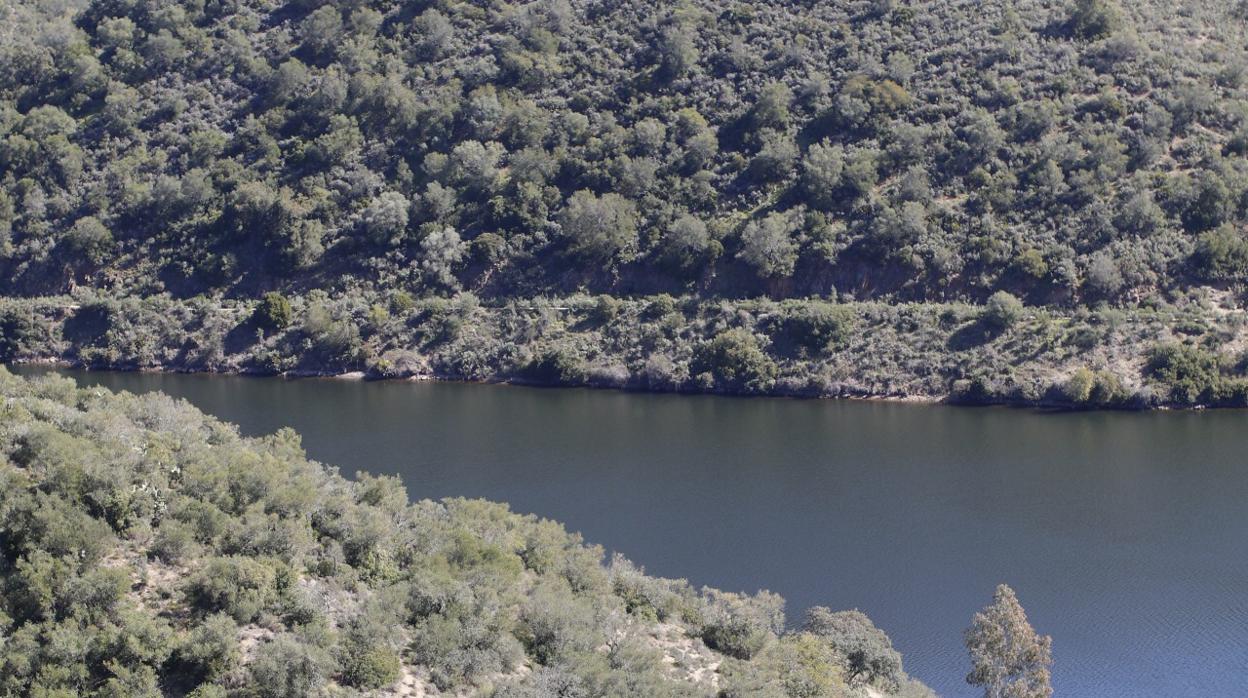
1124,534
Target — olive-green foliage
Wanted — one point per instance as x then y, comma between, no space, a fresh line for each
1221,255
733,361
1189,374
741,626
288,667
210,650
1071,154
17,327
556,624
798,666
599,228
666,600
371,667
1087,388
1001,311
238,586
273,312
867,651
556,367
88,242
812,328
334,339
655,341
174,540
768,245
1008,657
1093,19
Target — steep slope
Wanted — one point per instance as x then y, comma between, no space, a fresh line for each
1074,155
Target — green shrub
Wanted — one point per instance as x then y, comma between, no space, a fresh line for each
211,650
800,665
1189,374
734,362
868,652
370,668
1093,19
555,624
174,540
1221,255
463,644
735,637
288,667
273,312
335,340
401,302
1093,388
661,306
812,327
17,328
556,366
606,308
1001,311
239,586
740,626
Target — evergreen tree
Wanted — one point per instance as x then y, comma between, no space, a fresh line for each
1008,658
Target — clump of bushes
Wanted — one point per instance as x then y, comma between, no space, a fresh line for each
334,339
811,328
556,366
17,328
733,361
1189,374
740,626
242,587
868,653
210,651
1088,388
290,666
1001,311
1221,254
273,312
371,667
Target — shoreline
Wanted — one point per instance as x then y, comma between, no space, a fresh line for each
912,353
364,376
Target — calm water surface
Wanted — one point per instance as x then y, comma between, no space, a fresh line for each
1125,535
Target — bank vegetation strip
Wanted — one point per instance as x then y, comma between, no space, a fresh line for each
997,352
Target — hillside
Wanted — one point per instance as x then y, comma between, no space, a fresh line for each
1080,160
148,550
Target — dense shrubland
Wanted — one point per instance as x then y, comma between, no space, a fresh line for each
149,550
1065,152
1037,157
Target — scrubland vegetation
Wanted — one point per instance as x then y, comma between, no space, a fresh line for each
148,550
1071,169
999,352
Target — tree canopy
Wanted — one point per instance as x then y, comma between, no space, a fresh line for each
1008,658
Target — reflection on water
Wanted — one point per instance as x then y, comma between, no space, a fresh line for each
1124,534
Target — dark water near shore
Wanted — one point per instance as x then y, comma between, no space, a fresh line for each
1124,534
